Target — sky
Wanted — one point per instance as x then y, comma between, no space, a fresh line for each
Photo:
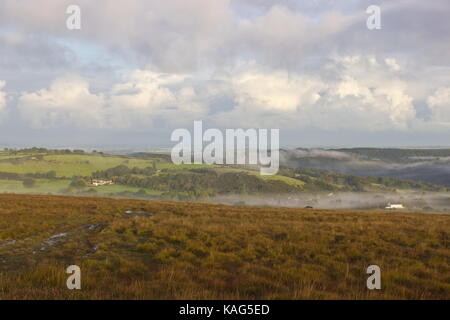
138,69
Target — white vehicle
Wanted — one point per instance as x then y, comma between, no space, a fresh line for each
394,206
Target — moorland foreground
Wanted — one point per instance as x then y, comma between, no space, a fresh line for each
139,249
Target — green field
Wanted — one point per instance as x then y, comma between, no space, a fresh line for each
57,171
115,188
67,166
276,177
42,186
71,164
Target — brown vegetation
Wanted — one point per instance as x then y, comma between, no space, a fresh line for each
135,249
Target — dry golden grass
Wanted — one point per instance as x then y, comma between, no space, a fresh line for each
165,250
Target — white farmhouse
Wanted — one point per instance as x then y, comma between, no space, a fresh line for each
97,183
394,206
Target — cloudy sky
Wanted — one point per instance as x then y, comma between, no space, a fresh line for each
137,69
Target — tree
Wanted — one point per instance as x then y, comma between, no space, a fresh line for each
141,193
78,183
29,183
51,174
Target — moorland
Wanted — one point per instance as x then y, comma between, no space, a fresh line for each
140,249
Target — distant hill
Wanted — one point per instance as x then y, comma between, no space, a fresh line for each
425,165
398,155
149,155
153,175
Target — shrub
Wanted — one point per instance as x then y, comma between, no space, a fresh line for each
78,183
29,183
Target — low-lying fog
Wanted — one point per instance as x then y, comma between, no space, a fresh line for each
430,169
412,201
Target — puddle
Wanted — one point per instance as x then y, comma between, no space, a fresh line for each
52,240
9,243
92,227
139,213
59,235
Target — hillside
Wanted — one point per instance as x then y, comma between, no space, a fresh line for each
152,176
135,249
421,165
398,154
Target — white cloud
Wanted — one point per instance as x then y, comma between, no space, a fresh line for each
356,93
68,101
279,91
3,101
439,103
392,63
287,64
135,103
2,97
147,95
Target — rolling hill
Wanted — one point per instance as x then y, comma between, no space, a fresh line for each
43,171
423,165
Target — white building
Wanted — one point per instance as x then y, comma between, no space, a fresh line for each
97,183
394,206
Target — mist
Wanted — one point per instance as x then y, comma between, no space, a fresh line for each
412,201
432,169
